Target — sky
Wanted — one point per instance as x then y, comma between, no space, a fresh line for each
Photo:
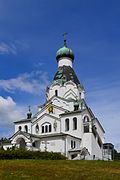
30,35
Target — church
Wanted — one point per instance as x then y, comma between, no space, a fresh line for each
64,123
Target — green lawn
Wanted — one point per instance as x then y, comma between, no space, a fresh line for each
59,170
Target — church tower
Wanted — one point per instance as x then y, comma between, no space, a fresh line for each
65,83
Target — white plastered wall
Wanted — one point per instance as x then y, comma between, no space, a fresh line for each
53,144
23,126
46,119
79,131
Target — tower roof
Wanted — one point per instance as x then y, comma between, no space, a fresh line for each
65,74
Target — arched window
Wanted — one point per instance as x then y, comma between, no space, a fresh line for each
86,119
46,127
86,124
37,128
66,124
50,128
26,128
73,144
19,128
74,123
56,92
42,129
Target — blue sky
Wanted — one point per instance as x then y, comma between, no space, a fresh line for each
31,33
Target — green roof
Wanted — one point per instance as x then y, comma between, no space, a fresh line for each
65,74
65,52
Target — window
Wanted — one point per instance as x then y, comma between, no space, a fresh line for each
50,128
37,128
86,119
73,144
26,128
74,123
56,92
47,127
86,128
33,144
86,124
42,129
66,124
19,128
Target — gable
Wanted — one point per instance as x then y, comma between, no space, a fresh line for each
56,110
70,95
18,135
44,118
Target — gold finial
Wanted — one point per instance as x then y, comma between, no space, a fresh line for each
65,39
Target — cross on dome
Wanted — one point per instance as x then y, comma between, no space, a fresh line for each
65,39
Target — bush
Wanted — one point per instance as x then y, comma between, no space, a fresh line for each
24,154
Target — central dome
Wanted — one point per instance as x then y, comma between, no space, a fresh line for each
65,52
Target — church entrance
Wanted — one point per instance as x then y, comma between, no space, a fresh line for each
21,143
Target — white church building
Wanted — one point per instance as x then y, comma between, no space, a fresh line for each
64,123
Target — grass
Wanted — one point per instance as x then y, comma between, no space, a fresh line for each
59,170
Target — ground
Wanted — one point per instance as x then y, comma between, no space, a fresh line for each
59,170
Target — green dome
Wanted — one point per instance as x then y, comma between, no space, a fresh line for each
65,52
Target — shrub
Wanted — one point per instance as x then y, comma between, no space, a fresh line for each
24,154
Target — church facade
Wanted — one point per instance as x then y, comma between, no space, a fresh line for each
64,123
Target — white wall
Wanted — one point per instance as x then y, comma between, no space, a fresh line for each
65,61
91,144
100,131
6,146
68,90
23,126
46,119
77,133
53,144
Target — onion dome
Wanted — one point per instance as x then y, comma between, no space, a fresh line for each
29,114
65,52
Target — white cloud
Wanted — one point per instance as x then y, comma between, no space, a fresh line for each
7,48
8,112
34,83
13,47
104,100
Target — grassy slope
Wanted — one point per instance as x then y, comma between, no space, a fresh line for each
59,170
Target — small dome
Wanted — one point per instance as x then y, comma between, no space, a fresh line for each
65,52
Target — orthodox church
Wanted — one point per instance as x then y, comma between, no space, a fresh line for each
64,123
